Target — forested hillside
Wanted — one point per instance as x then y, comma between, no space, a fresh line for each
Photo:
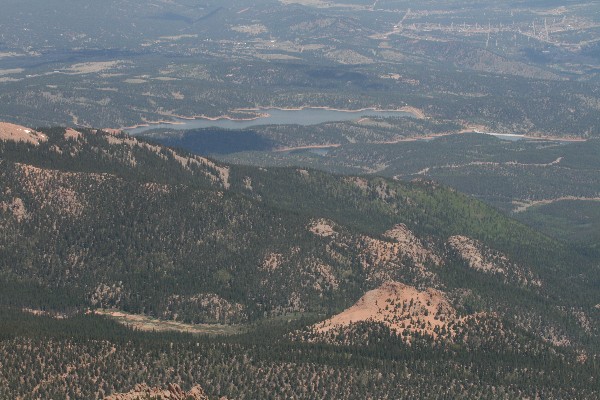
96,223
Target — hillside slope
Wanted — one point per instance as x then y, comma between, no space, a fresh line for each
94,220
135,226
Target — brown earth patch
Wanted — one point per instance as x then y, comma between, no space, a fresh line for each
402,308
18,133
149,324
17,207
322,227
481,258
72,134
172,392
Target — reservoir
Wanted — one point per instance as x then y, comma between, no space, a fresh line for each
273,116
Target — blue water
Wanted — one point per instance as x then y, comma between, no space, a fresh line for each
305,116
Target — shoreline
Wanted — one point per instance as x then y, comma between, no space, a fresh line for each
415,112
307,147
569,139
540,137
192,118
434,136
405,109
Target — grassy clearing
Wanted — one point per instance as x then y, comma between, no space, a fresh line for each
149,324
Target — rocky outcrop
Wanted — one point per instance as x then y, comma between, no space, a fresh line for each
483,259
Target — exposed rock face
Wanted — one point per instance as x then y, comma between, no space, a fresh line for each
399,255
172,392
402,257
411,245
469,250
489,261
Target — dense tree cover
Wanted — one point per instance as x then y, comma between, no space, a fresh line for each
88,357
107,221
97,224
510,175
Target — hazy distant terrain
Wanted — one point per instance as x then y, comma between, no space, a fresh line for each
515,67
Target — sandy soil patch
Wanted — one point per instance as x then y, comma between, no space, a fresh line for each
322,227
172,392
398,306
149,324
112,131
382,260
359,182
272,262
18,133
9,54
481,258
44,313
17,207
72,134
8,79
247,183
411,245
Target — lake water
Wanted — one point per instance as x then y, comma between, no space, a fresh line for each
274,116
